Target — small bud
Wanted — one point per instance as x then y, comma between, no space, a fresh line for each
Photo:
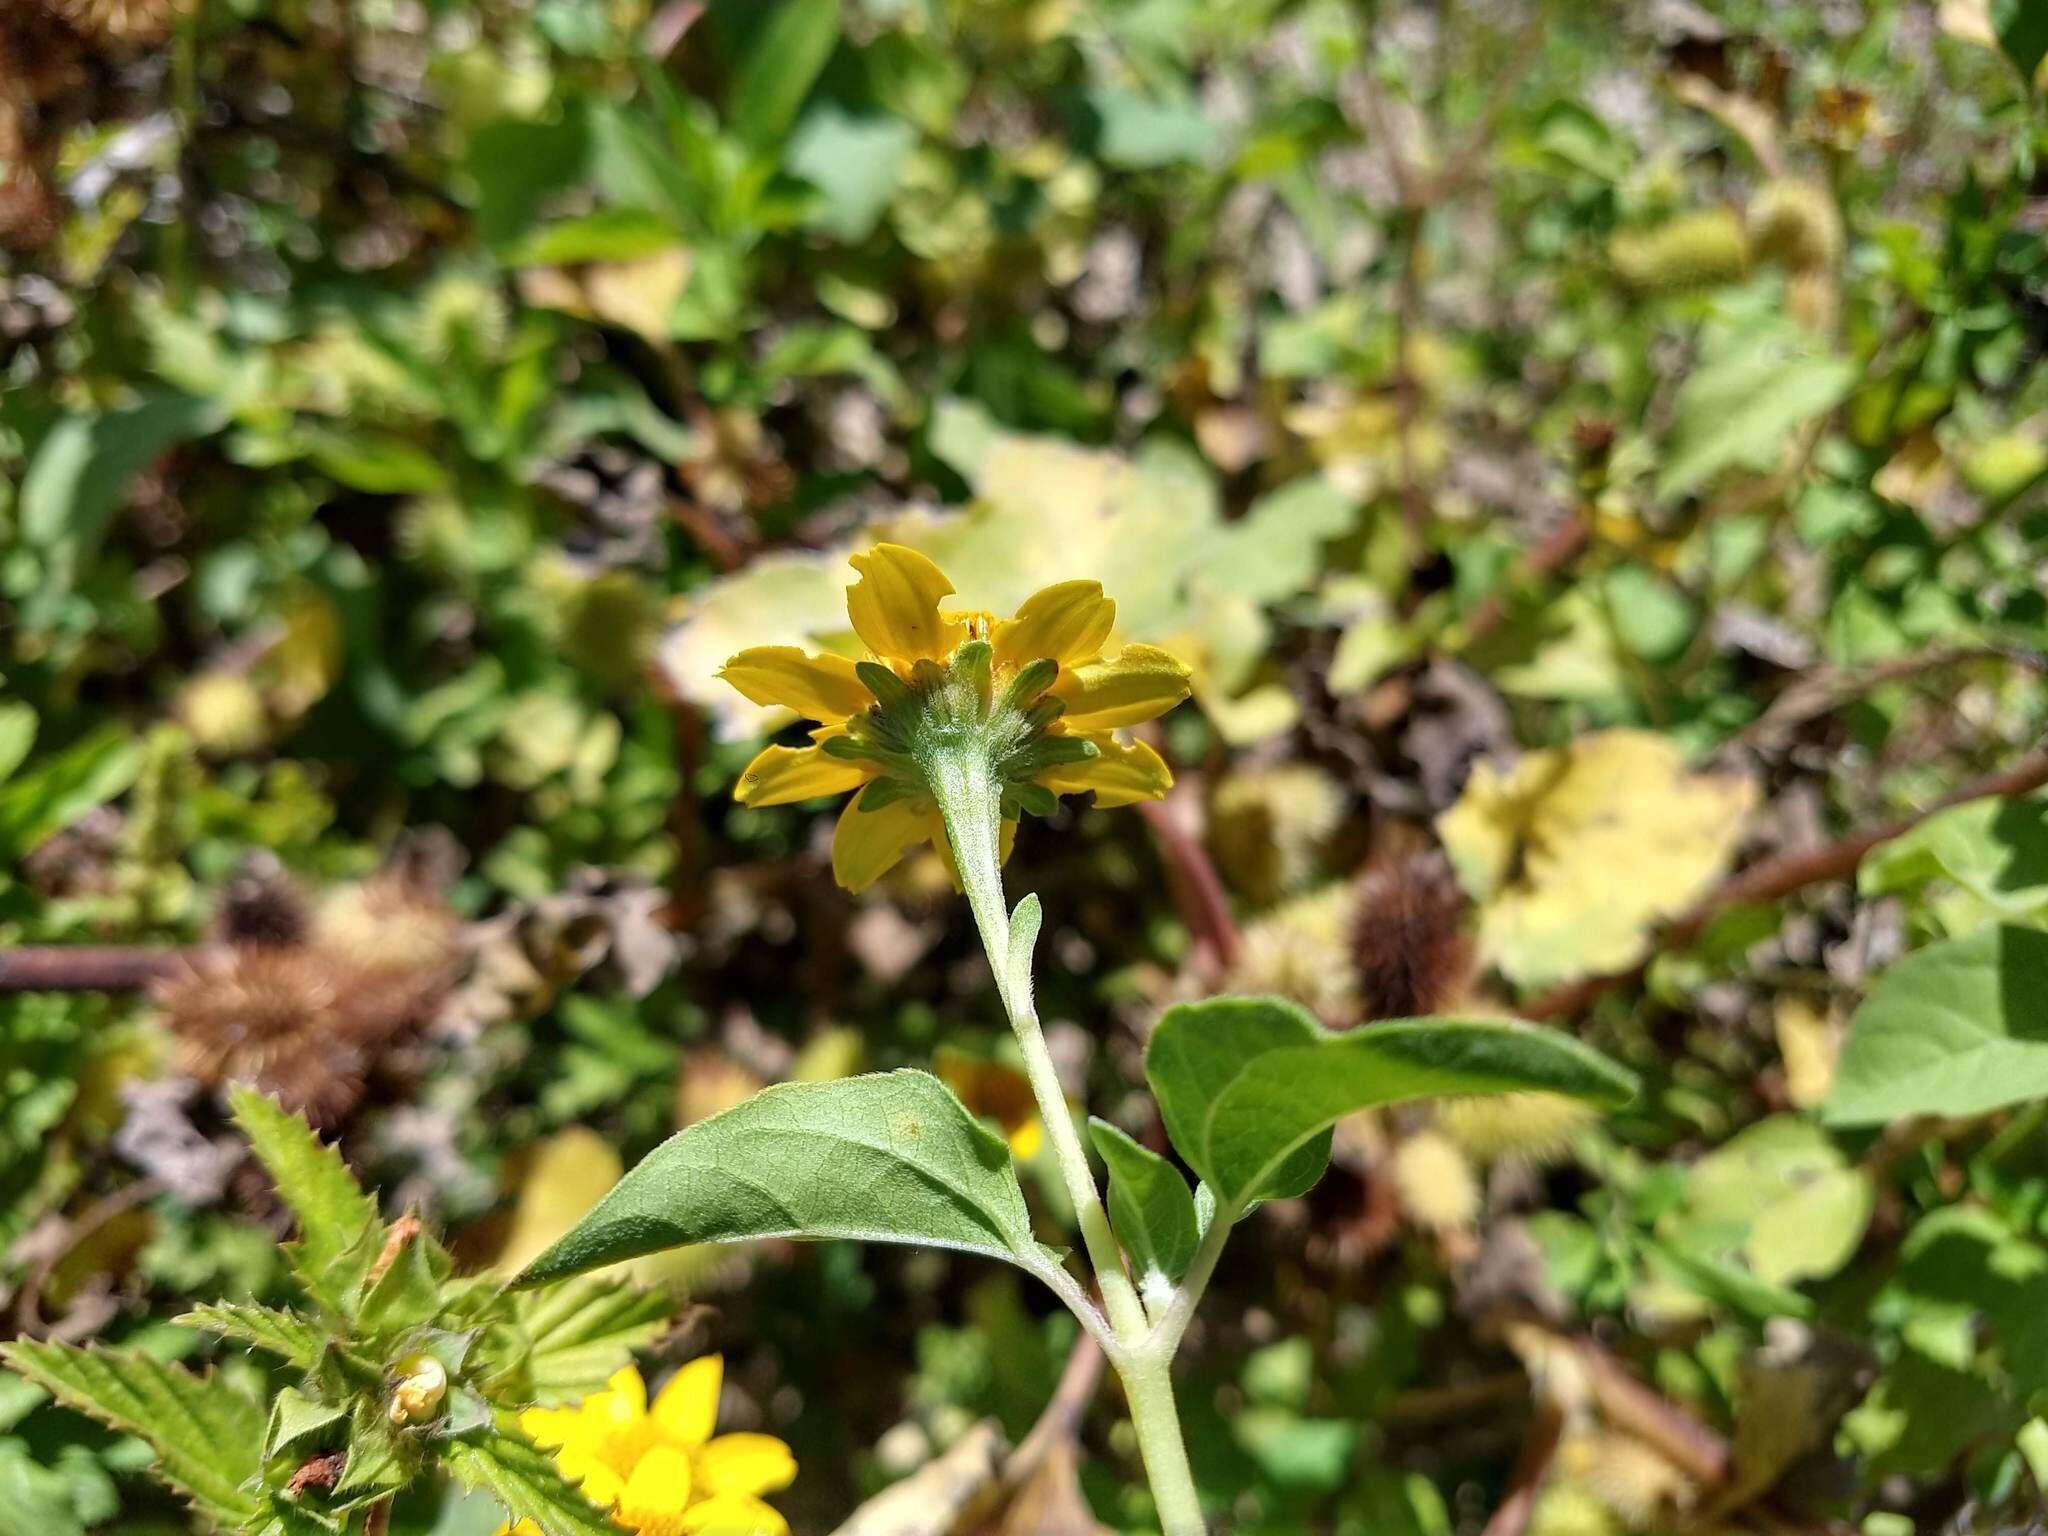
1437,1187
224,712
1796,224
1693,250
422,1383
1268,827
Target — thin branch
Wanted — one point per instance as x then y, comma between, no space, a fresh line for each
1558,548
86,968
1687,1443
1196,887
1532,1470
1063,1414
1427,1405
1827,689
1784,875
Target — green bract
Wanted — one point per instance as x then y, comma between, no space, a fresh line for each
947,725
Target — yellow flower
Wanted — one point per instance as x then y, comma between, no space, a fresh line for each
997,1092
660,1470
1027,707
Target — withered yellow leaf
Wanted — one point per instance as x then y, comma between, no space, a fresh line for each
1575,853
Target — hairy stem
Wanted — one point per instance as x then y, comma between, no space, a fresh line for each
1148,1389
970,804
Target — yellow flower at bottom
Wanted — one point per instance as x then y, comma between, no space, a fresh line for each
1024,708
659,1469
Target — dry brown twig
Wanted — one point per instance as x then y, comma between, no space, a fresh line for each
1191,875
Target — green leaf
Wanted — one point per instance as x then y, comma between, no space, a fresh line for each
610,234
38,804
407,1294
1247,1085
783,60
1025,922
17,735
295,1418
1725,1282
891,1157
1741,406
82,469
1997,850
337,1221
382,463
527,1482
34,1498
379,1460
1781,1196
1138,133
206,1435
855,161
1958,1028
2022,28
1149,1204
270,1328
579,1332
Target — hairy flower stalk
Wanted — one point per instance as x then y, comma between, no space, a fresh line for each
950,729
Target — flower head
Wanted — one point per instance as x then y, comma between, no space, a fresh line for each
659,1468
950,702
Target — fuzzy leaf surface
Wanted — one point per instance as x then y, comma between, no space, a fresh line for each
1248,1085
890,1157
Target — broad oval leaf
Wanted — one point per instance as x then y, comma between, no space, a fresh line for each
1247,1085
1958,1028
1149,1204
891,1157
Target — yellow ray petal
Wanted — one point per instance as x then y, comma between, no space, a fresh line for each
550,1427
895,605
629,1392
1068,622
1138,683
687,1409
582,1464
745,1464
1124,772
816,687
778,775
867,844
658,1490
733,1515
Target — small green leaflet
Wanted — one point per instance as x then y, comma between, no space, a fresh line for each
580,1332
1249,1085
335,1217
281,1332
2022,28
1958,1028
1149,1204
207,1436
891,1157
526,1481
782,61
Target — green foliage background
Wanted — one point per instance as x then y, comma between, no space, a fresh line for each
403,406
